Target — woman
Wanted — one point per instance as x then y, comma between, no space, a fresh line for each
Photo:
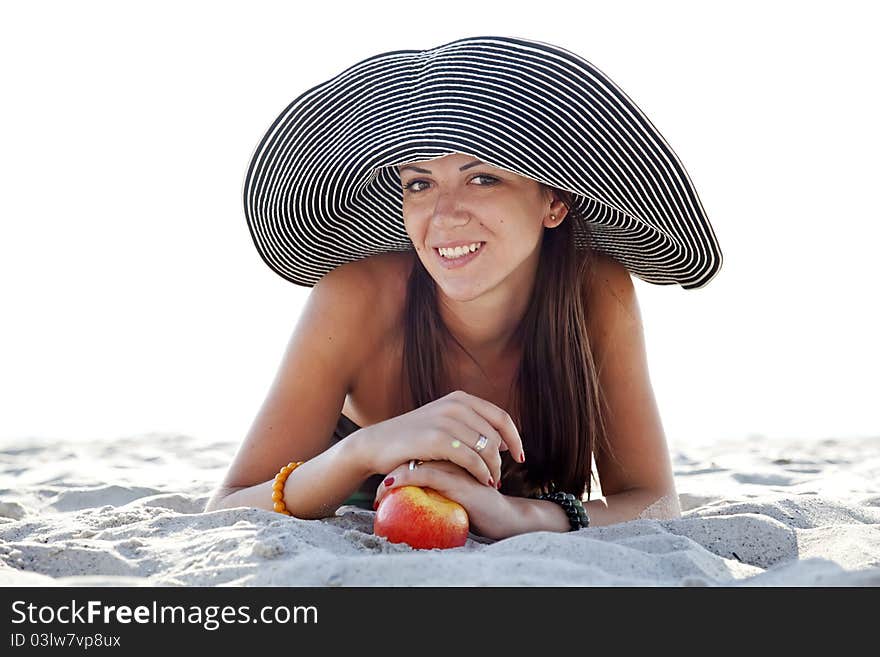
468,217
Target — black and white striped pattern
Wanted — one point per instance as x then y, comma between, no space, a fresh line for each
322,187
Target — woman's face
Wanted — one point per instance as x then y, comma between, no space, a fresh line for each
457,200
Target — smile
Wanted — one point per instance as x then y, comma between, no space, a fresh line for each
461,261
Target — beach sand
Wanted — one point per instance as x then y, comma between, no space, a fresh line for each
128,512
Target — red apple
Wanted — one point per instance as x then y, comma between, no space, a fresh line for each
422,518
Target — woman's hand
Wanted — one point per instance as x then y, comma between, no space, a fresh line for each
446,429
489,512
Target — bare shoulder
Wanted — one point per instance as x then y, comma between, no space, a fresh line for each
374,290
609,275
388,274
611,296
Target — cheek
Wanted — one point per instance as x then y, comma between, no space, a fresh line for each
416,231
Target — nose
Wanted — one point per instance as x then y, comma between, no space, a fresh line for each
448,212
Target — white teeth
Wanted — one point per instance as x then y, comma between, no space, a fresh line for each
459,251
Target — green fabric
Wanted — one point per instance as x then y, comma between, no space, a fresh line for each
364,497
362,500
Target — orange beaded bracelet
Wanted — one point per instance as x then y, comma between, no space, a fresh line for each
278,486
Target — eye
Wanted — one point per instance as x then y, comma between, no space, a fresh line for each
491,181
409,186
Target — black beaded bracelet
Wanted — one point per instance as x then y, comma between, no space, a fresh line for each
573,507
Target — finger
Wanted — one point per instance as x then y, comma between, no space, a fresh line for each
394,477
475,425
396,474
452,448
474,428
439,480
498,418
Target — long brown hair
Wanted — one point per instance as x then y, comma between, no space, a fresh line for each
558,406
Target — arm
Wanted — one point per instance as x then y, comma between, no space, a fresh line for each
636,479
542,515
637,463
498,516
314,490
302,407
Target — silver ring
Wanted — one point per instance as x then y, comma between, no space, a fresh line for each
481,443
413,464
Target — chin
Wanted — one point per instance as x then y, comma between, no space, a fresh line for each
460,295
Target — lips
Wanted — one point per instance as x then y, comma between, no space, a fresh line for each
455,263
452,245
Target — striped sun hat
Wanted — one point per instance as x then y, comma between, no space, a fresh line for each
323,188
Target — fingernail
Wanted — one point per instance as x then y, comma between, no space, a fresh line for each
389,481
375,505
522,457
498,485
491,482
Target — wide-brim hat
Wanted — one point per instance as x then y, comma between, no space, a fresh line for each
323,188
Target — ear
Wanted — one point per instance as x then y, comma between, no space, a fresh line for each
555,214
556,210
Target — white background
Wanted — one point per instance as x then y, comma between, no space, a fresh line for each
132,298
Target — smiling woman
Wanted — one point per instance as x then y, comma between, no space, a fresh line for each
481,329
487,308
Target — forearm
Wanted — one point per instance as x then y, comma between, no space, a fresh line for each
543,515
313,490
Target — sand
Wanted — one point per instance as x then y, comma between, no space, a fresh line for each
128,512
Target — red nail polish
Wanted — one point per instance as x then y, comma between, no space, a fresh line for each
491,482
389,481
375,505
522,457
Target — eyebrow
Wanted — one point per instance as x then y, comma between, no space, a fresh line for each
420,170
